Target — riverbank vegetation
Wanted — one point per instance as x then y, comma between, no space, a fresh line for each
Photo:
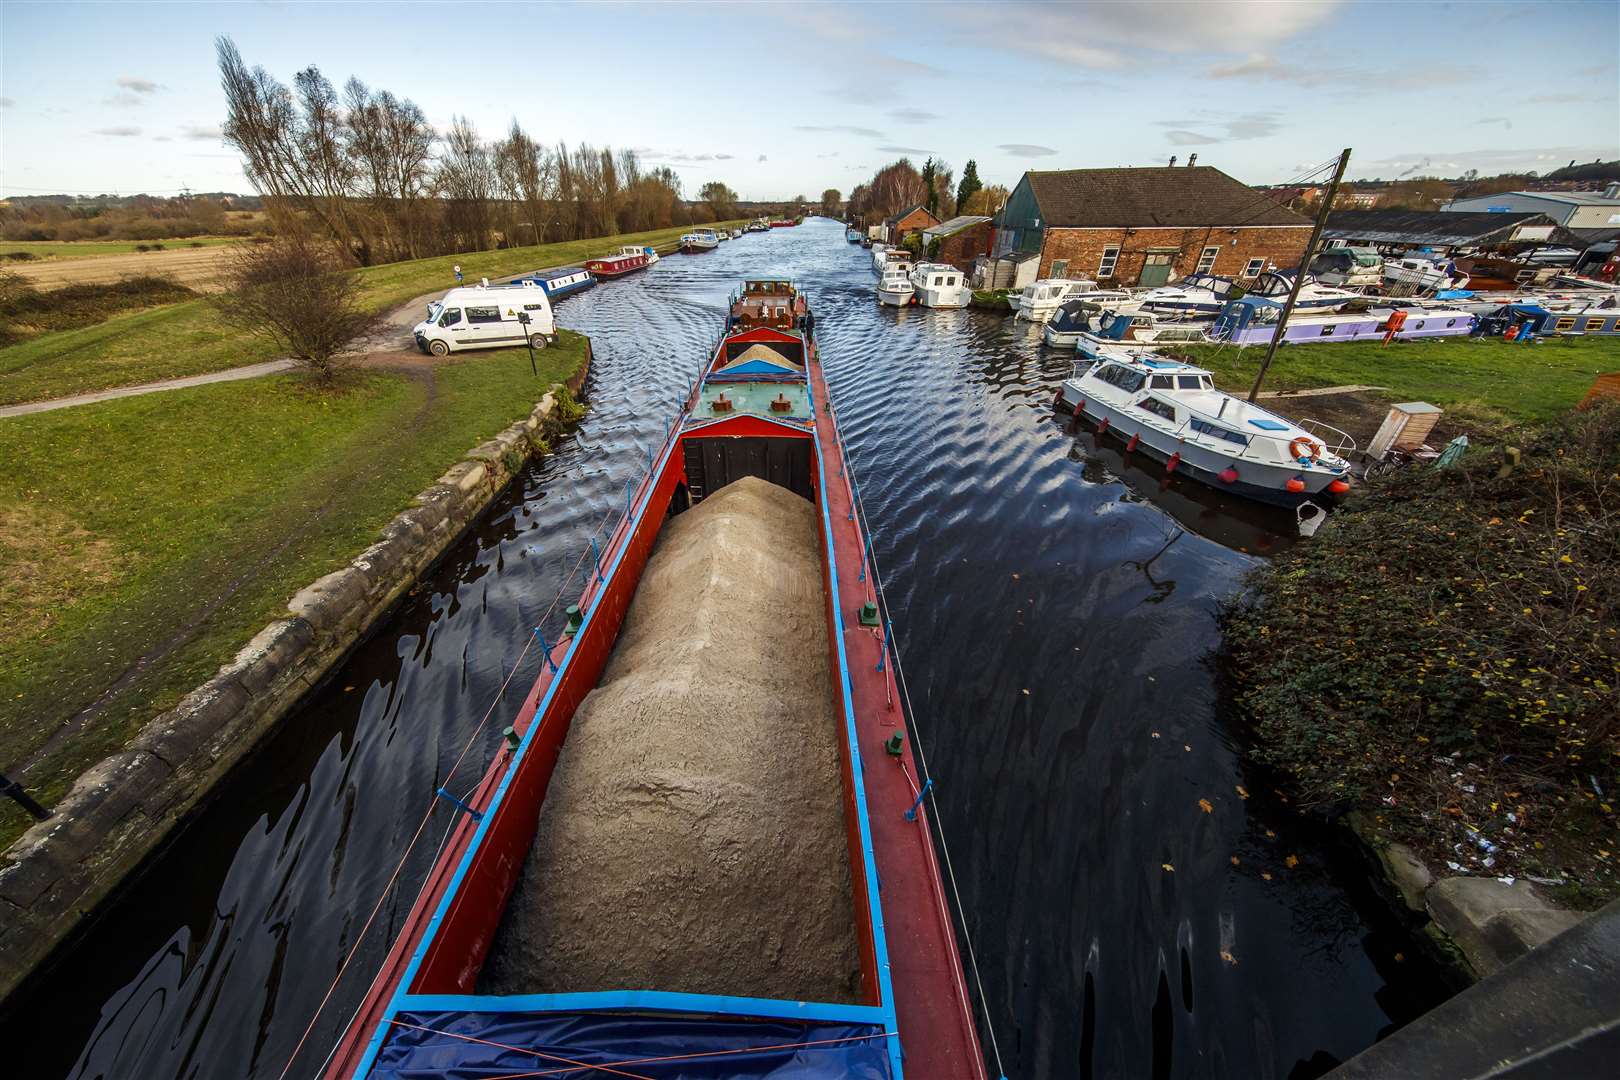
190,338
144,540
1515,382
1446,657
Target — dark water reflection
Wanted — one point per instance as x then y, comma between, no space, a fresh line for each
1056,609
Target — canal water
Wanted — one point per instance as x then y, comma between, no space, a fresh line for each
1139,906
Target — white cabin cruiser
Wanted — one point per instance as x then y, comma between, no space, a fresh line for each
1195,294
1275,285
1039,299
892,258
878,248
1171,411
939,285
895,288
1350,267
1081,320
1418,273
637,249
700,240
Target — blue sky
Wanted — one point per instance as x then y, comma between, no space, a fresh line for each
778,99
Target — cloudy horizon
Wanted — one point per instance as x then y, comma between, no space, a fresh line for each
1265,91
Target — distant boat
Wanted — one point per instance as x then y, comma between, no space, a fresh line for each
895,289
1275,285
611,266
1083,319
1195,294
938,285
563,282
636,249
699,240
1039,299
1172,412
758,225
852,234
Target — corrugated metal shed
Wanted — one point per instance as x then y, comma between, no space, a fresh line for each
1434,228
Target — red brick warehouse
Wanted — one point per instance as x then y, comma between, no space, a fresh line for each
1148,226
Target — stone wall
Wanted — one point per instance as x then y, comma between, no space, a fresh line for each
1083,248
123,808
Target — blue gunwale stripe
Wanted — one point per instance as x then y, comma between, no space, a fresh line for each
647,1000
473,846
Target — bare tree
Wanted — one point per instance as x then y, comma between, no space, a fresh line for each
465,179
525,175
296,292
391,144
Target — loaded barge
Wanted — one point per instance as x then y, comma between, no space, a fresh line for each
583,914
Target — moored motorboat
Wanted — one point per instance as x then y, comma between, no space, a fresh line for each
878,248
611,266
637,249
1039,299
1078,320
895,288
606,864
937,285
564,281
758,225
891,258
1172,412
852,234
1275,285
699,240
1195,294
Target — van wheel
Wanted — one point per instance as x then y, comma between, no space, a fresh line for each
439,348
538,341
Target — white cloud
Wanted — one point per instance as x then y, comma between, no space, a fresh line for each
120,132
200,132
124,101
904,150
1558,99
1178,137
913,116
1260,67
1026,150
840,129
1507,125
1255,125
761,157
6,103
1488,161
139,86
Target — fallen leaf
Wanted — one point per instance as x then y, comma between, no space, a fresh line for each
1235,861
1243,792
1270,835
1291,862
1206,806
346,689
1168,868
1155,734
1266,874
1228,957
1187,748
1400,958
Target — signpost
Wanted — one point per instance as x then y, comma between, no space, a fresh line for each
523,320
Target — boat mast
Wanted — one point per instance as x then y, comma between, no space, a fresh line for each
1299,274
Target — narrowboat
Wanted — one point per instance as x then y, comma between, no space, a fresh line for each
1532,319
1252,320
564,281
698,241
1172,412
705,847
612,266
636,249
783,223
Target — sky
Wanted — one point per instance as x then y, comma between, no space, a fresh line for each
780,99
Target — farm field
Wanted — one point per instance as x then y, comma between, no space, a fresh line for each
197,267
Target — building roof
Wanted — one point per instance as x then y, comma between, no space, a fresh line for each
1429,228
907,212
1576,198
1186,197
956,224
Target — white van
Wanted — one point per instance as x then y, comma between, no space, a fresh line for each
485,317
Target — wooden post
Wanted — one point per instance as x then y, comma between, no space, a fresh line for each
1299,274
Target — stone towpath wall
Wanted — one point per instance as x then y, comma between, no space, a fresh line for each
121,809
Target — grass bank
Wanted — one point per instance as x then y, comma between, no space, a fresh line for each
89,249
1517,382
1446,657
144,540
189,338
27,312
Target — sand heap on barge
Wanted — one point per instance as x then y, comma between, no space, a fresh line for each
693,838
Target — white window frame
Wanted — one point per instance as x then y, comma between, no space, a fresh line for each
1060,267
1109,261
1254,267
1207,257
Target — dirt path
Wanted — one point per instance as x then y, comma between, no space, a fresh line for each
251,371
197,267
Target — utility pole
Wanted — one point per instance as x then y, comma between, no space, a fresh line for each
1299,274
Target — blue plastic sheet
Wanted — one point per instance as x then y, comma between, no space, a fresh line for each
603,1037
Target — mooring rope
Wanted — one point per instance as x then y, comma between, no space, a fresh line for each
929,787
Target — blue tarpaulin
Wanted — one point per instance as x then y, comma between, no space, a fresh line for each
533,1043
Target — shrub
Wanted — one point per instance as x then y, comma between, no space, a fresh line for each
19,256
1446,655
25,310
143,247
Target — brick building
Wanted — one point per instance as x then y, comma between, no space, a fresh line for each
913,219
961,240
1148,226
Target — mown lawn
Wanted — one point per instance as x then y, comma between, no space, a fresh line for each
1521,382
81,249
189,338
180,523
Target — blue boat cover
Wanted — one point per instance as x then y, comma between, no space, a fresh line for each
527,1043
1268,425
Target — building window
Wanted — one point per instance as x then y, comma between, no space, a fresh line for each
1060,267
1254,267
1206,261
1110,256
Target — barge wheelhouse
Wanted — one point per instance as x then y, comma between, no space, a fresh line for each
758,415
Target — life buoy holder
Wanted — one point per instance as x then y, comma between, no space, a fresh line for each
1304,447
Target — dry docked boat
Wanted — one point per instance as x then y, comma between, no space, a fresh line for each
1195,294
610,266
1276,284
1172,412
1080,320
1039,299
938,285
895,289
581,916
1252,320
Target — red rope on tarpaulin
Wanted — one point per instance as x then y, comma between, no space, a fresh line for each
573,1065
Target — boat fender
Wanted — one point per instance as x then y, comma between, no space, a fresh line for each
1079,407
1304,449
1339,486
1296,484
1057,399
1102,425
1175,459
1130,446
1229,475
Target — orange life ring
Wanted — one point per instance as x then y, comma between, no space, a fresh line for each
1295,450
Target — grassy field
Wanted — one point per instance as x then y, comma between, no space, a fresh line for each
147,538
90,249
189,338
1520,382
